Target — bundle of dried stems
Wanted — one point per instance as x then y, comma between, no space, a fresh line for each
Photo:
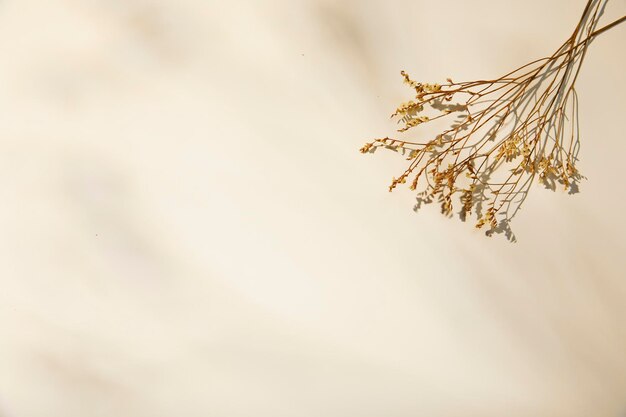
503,133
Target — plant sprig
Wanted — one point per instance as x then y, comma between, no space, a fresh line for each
507,132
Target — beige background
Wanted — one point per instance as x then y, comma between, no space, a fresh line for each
189,230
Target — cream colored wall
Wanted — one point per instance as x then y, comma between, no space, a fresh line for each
188,229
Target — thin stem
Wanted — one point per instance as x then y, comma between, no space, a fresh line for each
607,27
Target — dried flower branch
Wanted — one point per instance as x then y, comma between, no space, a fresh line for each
503,133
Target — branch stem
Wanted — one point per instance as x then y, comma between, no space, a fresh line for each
607,27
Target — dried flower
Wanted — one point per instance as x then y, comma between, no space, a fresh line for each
507,131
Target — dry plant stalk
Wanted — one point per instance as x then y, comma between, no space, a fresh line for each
503,133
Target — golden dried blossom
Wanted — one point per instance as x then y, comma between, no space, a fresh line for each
504,133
